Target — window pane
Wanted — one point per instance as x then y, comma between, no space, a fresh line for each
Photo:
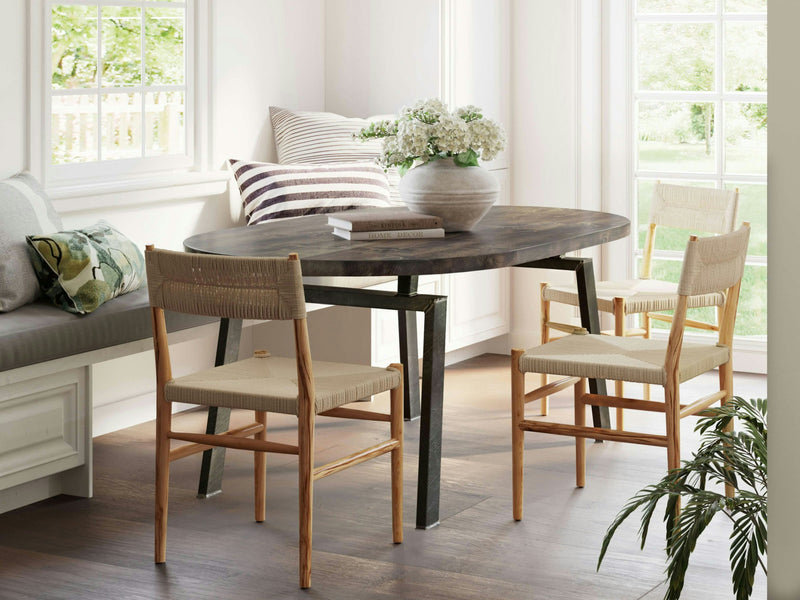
751,318
753,209
164,36
122,46
675,6
750,6
676,136
746,57
73,46
122,126
675,56
166,130
745,138
73,129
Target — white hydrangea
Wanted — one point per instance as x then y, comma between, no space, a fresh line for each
452,134
391,152
413,137
487,135
468,112
427,130
433,107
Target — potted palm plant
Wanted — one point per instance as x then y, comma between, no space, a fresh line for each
694,496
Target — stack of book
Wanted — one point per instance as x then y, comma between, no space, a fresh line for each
385,224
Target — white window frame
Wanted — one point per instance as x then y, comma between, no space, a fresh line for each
74,180
620,171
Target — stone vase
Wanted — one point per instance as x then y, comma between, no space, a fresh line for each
461,196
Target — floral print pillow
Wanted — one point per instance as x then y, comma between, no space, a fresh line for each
79,270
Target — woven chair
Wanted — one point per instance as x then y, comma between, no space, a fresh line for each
711,265
697,209
261,288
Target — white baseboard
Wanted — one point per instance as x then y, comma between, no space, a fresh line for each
498,345
73,481
127,413
524,339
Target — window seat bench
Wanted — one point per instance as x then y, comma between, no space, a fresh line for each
46,355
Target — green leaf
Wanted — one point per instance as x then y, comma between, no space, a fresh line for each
466,159
736,457
404,166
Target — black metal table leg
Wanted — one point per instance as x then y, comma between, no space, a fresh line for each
430,436
430,441
407,322
590,319
230,333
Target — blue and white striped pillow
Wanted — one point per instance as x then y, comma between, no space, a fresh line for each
273,191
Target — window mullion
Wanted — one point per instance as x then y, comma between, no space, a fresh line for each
142,82
719,80
45,162
99,83
708,176
121,89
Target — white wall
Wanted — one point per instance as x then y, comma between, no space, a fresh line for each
544,111
380,56
784,297
266,52
13,27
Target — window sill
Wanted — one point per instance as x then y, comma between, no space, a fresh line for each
138,191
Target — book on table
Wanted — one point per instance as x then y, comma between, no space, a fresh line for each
383,219
389,234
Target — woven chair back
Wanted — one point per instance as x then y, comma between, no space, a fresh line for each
714,264
225,286
699,209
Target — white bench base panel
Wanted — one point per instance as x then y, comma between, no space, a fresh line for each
45,438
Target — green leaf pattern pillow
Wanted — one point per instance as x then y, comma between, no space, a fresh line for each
79,270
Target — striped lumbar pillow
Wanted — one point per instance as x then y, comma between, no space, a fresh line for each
271,191
323,138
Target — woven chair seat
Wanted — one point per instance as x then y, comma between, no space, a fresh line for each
270,384
641,295
619,358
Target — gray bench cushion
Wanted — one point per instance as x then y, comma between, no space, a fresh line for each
40,332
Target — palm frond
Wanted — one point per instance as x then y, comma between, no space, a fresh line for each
738,459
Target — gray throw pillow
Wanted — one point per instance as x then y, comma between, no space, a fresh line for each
26,210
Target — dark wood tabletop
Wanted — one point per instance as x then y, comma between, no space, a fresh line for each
507,236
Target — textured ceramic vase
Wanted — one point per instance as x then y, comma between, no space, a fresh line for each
461,196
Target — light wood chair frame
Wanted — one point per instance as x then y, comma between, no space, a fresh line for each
672,408
620,311
253,437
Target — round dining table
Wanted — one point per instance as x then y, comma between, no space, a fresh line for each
508,236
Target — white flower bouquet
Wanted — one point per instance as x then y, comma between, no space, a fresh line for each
428,131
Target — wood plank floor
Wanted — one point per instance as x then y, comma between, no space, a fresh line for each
101,548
